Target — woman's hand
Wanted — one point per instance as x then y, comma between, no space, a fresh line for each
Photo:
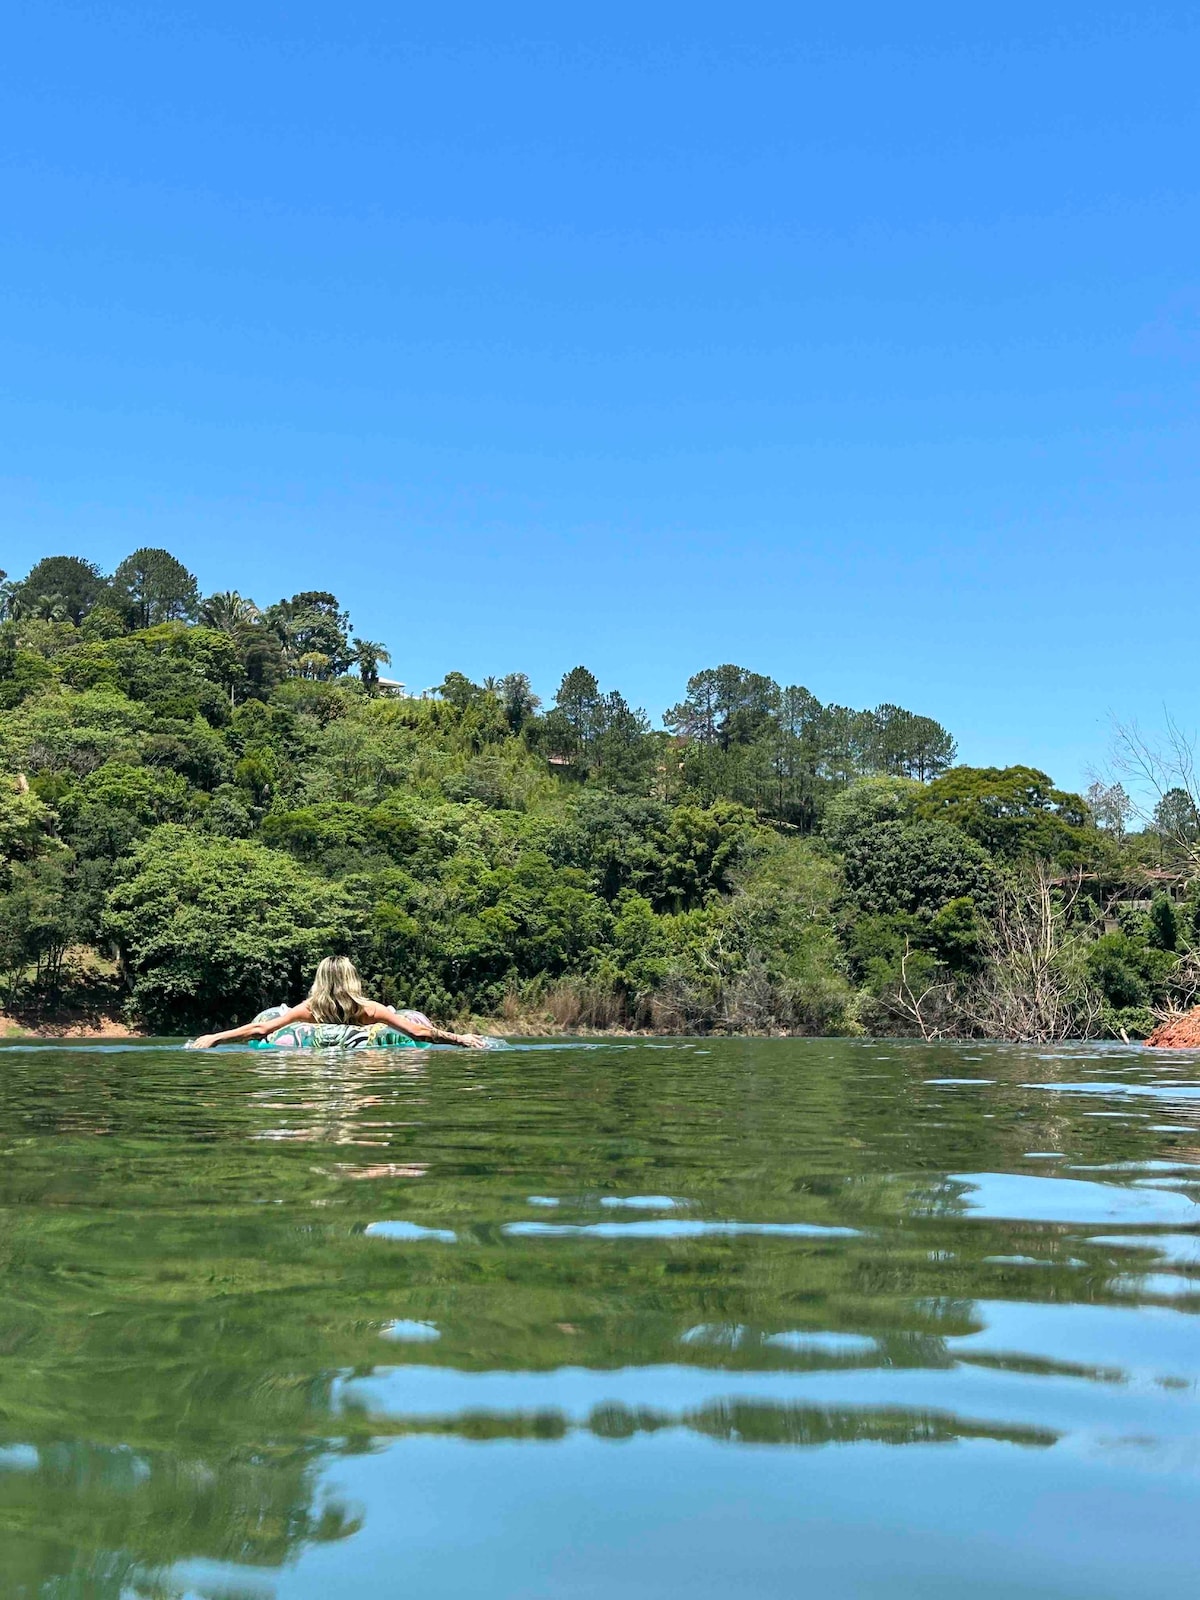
204,1042
475,1041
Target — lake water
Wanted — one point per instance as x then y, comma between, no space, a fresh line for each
570,1322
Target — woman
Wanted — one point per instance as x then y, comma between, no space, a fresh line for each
337,1015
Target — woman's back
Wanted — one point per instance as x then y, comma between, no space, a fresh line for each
301,1034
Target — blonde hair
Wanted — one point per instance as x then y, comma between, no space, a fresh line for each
337,991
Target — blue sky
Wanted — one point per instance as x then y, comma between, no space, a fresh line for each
858,345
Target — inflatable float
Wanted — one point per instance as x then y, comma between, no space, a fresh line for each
337,1035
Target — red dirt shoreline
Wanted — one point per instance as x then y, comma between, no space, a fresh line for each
1180,1033
68,1028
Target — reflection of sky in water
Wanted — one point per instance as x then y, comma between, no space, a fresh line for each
1025,1261
1156,1285
405,1231
405,1331
669,1228
734,1336
983,1384
1180,1249
820,1344
1022,1197
1159,1091
747,1279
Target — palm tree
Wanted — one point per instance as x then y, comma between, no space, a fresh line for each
229,613
367,655
46,608
240,620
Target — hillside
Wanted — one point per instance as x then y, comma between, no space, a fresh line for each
208,795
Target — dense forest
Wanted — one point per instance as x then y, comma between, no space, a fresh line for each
201,796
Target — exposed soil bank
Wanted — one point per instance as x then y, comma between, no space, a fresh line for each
1181,1033
67,1027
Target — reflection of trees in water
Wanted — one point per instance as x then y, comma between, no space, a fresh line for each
183,1294
346,1098
758,1422
731,1421
100,1521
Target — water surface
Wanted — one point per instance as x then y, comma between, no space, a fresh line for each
648,1319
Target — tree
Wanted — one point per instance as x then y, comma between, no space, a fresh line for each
1011,811
1110,806
577,703
25,824
931,749
915,869
258,646
22,674
457,690
893,740
847,741
1115,966
725,705
44,607
887,742
621,747
518,699
1177,822
866,804
103,622
312,624
1164,923
368,655
229,613
210,930
697,716
795,754
154,587
79,585
38,925
1033,982
699,851
314,665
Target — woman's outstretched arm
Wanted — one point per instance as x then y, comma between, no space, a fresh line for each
422,1030
253,1030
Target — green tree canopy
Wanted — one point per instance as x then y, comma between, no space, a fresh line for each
1012,811
211,929
867,803
725,705
1177,822
155,587
368,655
914,868
518,699
312,628
79,585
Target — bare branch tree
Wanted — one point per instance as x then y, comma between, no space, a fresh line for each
1032,987
1165,766
919,1007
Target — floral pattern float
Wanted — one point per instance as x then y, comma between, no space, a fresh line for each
337,1035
